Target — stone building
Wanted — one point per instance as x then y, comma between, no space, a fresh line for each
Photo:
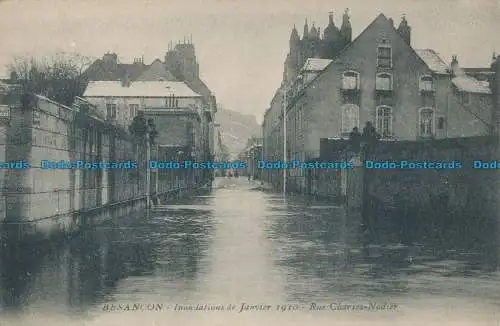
407,93
174,107
315,45
179,65
251,155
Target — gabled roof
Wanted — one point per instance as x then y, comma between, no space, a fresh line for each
199,87
315,64
381,16
471,85
99,70
432,59
138,89
156,71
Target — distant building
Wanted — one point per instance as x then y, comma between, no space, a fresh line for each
251,155
180,65
121,100
408,94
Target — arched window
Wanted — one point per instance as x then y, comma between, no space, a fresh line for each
383,123
350,118
383,81
350,80
426,122
426,83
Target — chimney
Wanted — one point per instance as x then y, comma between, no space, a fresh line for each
455,68
126,79
404,30
330,18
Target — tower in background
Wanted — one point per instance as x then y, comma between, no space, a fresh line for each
315,45
180,60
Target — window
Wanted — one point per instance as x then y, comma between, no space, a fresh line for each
465,98
425,83
383,82
350,80
426,122
384,121
111,111
384,56
441,123
350,118
133,108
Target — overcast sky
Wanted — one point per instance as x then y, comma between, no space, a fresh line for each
240,45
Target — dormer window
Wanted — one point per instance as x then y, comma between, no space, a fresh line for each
350,80
426,84
384,56
383,82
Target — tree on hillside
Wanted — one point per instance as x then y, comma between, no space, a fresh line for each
59,78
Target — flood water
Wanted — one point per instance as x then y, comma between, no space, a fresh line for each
240,245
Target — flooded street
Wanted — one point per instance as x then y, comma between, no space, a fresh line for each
241,245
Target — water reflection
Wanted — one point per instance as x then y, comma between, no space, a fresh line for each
238,244
86,270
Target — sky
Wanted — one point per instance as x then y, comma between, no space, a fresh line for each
240,45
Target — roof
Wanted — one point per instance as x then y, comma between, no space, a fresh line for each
432,59
479,73
471,85
199,87
3,86
157,71
314,64
431,56
99,70
138,89
478,70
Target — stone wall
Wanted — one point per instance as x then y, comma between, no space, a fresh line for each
451,208
44,201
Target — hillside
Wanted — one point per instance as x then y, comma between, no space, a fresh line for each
236,128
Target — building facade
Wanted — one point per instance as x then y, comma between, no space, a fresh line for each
407,93
251,155
179,65
175,108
